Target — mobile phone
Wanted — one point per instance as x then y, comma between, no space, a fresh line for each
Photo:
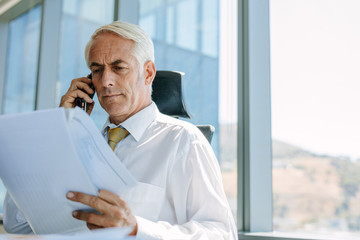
81,102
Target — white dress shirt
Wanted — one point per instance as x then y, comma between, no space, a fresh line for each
180,193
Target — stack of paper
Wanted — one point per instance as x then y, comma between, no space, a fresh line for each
45,154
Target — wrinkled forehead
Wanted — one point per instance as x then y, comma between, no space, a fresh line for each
111,47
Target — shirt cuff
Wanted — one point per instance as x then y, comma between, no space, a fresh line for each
148,230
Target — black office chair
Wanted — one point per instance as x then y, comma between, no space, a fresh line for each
168,96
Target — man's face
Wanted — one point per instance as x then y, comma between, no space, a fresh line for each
120,88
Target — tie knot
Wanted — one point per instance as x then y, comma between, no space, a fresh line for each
115,135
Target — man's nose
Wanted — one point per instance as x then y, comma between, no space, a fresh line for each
108,78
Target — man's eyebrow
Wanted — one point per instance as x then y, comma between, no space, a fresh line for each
95,64
116,62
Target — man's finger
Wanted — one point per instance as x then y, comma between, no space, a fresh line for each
90,217
112,198
93,226
83,86
99,220
100,205
79,94
78,82
115,200
89,200
68,99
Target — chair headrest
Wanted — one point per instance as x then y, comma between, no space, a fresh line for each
168,93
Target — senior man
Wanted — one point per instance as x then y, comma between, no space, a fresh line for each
180,193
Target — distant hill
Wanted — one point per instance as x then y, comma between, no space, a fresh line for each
314,192
285,150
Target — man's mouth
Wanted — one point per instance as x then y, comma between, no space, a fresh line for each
112,95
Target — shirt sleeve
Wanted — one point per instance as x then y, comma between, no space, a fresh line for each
196,192
14,221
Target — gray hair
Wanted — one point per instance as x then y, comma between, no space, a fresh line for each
143,49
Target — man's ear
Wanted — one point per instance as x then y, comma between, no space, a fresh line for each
149,72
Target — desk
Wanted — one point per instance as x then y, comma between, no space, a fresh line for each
103,234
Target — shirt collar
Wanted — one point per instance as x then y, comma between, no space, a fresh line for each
136,124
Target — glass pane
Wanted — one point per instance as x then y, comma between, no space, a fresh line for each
210,23
22,61
80,19
186,38
21,67
187,24
315,117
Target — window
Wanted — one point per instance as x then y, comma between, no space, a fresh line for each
22,65
315,115
187,38
22,61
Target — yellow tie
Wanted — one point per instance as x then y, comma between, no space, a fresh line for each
116,135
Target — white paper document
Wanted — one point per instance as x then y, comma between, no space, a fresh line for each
45,154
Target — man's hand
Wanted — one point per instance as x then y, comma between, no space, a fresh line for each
113,211
79,88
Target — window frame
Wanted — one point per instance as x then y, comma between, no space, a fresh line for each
4,27
254,118
49,50
127,10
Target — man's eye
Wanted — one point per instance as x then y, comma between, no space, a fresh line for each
96,71
117,68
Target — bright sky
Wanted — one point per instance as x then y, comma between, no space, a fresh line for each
315,73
